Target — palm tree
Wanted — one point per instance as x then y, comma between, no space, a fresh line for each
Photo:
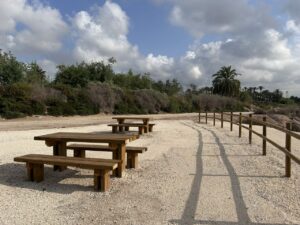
225,82
260,88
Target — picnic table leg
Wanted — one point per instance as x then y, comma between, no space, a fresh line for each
101,180
38,172
120,121
35,172
141,130
59,148
146,122
29,171
79,153
132,160
119,154
114,129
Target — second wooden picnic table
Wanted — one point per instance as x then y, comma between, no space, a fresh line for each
59,142
145,120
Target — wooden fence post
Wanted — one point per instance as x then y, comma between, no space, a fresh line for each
240,125
206,117
288,147
250,128
199,115
222,119
214,118
265,135
231,120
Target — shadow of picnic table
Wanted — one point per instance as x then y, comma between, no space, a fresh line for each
15,175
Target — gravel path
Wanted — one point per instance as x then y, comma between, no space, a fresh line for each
191,174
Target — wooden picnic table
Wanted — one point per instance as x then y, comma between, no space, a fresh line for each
59,142
144,119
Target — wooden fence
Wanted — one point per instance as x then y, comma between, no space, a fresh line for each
287,130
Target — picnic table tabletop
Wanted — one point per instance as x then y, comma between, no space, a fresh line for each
131,117
99,137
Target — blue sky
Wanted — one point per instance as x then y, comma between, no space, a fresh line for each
187,40
149,28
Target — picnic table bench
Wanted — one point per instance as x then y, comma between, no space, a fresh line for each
132,152
145,121
59,142
122,126
102,167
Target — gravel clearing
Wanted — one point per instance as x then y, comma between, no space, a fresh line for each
191,174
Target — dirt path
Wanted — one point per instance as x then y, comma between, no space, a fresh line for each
47,122
191,174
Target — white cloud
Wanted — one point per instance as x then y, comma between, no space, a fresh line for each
195,72
292,7
200,17
291,26
104,35
261,53
41,28
246,37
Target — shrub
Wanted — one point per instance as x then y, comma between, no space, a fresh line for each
150,101
102,96
12,115
56,107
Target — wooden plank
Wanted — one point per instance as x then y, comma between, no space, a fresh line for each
240,125
92,147
101,180
296,159
136,149
132,160
128,125
119,154
70,158
231,121
105,148
59,148
250,129
87,137
86,163
288,148
265,135
131,118
222,120
214,120
142,127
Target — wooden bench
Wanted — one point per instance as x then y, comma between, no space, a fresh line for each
102,167
132,152
122,126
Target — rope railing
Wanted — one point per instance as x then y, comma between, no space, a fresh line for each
287,130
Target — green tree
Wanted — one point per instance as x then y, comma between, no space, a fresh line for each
35,74
225,82
74,75
11,70
98,71
277,95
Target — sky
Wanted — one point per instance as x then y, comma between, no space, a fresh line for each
188,40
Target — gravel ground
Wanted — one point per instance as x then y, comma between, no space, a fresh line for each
191,174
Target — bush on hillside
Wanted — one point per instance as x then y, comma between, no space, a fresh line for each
150,101
102,96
